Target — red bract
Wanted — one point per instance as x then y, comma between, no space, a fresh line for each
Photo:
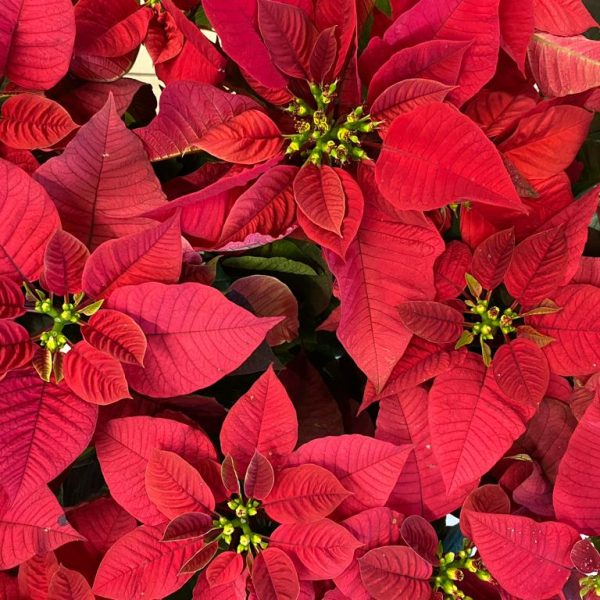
260,343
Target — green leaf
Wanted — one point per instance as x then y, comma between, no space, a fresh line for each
464,340
91,309
276,264
474,286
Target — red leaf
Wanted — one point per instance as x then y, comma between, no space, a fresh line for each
116,334
472,423
323,55
304,494
537,267
64,261
420,489
575,218
235,24
121,38
545,143
343,16
49,416
69,585
585,557
433,321
16,349
274,576
492,258
235,590
102,182
30,121
267,208
260,477
366,467
405,96
577,489
36,42
229,476
270,297
188,526
528,559
575,350
225,568
140,565
562,17
200,559
498,112
198,117
124,447
8,587
33,527
436,60
395,570
289,35
320,196
320,550
521,371
12,302
435,156
471,21
102,522
94,375
27,221
354,201
371,286
516,29
420,535
36,574
175,487
154,254
564,65
195,336
263,419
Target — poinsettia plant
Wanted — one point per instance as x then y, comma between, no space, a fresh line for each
316,316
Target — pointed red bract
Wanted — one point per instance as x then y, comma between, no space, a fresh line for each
318,550
472,422
366,467
435,156
195,116
395,570
433,321
16,349
576,346
33,527
577,486
64,261
48,416
538,266
27,221
29,121
175,487
188,526
521,371
69,585
420,488
195,336
263,419
472,21
116,334
372,285
492,258
274,576
124,447
140,565
562,17
516,28
304,494
259,478
528,559
564,65
102,183
225,568
12,302
36,574
36,41
289,35
94,375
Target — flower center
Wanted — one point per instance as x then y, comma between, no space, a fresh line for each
319,137
588,584
451,570
238,529
55,339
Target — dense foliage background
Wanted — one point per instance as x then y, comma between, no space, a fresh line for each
324,323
